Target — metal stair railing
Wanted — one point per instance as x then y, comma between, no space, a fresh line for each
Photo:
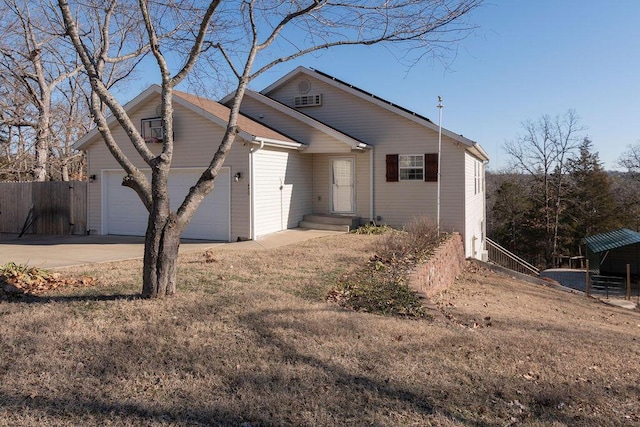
501,256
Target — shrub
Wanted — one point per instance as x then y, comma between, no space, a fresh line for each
379,292
418,238
380,287
372,228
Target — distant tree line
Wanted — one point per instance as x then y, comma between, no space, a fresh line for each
44,93
556,192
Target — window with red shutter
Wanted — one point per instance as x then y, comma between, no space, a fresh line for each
392,168
431,162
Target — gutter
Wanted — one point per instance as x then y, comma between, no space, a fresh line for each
276,143
252,194
371,183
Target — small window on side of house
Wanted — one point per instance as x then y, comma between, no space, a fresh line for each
152,130
411,167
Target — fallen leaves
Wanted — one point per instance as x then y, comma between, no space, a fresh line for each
18,280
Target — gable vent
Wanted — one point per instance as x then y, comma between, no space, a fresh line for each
307,101
304,86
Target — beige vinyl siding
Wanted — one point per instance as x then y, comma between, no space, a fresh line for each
474,207
396,203
363,185
196,140
282,189
353,116
399,202
316,140
321,183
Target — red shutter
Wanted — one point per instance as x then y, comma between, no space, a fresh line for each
431,163
392,168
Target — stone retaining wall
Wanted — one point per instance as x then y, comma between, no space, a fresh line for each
442,268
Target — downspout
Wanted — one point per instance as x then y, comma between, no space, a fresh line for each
252,194
371,190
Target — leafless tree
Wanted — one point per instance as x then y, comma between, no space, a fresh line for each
542,152
630,160
239,39
34,61
45,89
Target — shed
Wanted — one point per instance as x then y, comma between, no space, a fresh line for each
610,252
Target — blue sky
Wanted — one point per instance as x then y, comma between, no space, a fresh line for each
528,58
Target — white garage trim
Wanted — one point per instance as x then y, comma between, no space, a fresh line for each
272,194
123,213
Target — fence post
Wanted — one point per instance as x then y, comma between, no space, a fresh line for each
587,283
628,295
72,209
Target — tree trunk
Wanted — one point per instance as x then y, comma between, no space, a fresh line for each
65,172
161,246
42,152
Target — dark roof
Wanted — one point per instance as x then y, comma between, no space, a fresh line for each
612,240
406,110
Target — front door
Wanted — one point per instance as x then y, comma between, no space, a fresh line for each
342,186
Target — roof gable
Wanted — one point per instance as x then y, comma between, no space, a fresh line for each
217,113
471,146
353,142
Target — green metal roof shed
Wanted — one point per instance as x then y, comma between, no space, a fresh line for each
610,252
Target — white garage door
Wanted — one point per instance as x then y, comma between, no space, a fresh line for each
126,215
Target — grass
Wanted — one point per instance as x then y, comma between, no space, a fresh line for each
249,340
380,286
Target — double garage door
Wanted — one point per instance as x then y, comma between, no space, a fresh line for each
124,213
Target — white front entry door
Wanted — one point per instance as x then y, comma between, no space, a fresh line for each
342,186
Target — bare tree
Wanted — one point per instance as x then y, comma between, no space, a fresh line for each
630,160
241,39
70,121
543,152
34,60
44,88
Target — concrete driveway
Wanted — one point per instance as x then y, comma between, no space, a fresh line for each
67,251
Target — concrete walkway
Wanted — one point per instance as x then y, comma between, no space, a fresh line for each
67,251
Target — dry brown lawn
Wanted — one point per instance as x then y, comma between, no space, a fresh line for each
250,341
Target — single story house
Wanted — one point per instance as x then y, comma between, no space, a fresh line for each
311,149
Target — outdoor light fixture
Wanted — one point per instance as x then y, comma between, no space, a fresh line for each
92,178
237,177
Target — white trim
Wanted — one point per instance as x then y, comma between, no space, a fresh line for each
353,143
88,137
371,186
85,140
353,184
279,144
104,194
252,193
472,146
424,167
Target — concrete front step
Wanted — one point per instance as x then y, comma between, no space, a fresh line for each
330,222
321,226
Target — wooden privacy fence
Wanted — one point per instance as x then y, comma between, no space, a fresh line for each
54,207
